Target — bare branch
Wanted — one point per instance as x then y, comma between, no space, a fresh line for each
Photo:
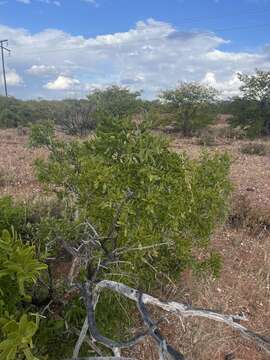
91,297
166,351
187,311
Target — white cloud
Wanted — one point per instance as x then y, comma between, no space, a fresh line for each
227,88
92,2
26,2
50,2
13,79
39,70
62,83
151,56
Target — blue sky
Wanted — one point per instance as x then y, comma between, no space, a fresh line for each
63,48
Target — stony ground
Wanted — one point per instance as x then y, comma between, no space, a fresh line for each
244,284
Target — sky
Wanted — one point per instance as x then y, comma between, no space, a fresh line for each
68,48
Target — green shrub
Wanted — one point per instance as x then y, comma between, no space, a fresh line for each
18,270
174,205
163,206
191,106
254,149
11,214
115,101
252,109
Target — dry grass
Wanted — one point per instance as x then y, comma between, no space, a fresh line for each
16,161
244,284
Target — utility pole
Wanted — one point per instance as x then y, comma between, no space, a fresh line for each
2,43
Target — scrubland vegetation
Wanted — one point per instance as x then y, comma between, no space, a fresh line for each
115,193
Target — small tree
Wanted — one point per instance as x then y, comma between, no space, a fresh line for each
9,119
251,110
116,101
191,106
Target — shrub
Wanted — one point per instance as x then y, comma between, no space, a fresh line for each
244,215
79,117
191,106
115,101
252,109
170,195
18,270
11,214
42,134
152,205
8,119
254,149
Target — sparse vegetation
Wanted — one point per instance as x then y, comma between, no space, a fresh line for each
254,149
121,210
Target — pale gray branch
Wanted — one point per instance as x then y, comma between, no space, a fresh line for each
187,311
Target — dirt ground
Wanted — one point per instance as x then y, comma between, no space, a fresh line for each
244,284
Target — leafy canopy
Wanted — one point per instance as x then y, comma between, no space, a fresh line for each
191,106
169,204
115,101
252,109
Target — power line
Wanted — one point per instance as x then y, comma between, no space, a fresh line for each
2,43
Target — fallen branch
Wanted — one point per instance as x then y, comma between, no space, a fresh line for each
232,321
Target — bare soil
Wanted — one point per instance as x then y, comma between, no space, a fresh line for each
244,283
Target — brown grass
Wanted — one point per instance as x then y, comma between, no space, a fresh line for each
244,243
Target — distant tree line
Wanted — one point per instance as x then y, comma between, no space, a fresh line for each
189,108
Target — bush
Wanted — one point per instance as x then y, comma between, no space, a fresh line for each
170,194
254,149
244,215
11,214
116,101
191,106
42,134
154,206
79,117
207,139
18,270
252,109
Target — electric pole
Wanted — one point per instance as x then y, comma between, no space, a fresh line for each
2,43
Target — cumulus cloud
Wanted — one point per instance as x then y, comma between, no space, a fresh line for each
62,83
153,55
227,88
13,79
39,70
